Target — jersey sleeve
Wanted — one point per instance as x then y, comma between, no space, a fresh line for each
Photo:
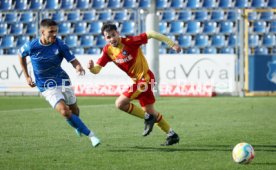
104,59
136,40
66,52
24,51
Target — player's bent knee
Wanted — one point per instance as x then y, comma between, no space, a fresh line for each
75,110
120,105
65,112
152,111
117,104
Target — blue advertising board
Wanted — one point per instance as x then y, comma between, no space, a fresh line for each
262,73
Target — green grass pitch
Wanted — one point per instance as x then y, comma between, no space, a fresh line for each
34,136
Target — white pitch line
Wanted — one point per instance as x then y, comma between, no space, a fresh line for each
49,108
87,106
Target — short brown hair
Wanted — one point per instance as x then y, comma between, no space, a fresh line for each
108,27
48,23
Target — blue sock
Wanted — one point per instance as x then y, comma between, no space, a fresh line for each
71,123
76,122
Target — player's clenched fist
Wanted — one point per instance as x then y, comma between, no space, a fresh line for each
30,82
176,47
90,64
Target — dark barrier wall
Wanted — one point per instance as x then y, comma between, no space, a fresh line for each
262,73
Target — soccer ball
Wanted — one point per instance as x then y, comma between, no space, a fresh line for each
243,153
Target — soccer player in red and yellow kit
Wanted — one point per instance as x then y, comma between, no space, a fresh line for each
128,56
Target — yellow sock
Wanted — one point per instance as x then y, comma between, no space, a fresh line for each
136,111
163,124
139,112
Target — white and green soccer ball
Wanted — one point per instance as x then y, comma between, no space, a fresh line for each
243,153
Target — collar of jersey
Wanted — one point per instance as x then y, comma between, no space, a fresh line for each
43,44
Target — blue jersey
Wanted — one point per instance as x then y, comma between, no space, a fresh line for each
46,61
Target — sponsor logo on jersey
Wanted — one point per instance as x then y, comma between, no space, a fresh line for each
124,60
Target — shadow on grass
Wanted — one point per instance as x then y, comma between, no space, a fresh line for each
175,148
266,148
265,163
191,148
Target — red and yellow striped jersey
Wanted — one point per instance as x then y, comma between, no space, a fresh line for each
128,56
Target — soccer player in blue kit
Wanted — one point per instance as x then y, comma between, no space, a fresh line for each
47,53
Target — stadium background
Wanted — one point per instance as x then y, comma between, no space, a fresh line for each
34,136
244,28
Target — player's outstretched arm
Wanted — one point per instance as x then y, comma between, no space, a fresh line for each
79,69
176,47
165,39
95,69
23,64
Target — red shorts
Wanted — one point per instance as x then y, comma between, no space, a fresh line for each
142,90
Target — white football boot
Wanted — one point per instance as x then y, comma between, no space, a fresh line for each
95,141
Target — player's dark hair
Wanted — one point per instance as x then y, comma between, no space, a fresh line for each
48,23
108,27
